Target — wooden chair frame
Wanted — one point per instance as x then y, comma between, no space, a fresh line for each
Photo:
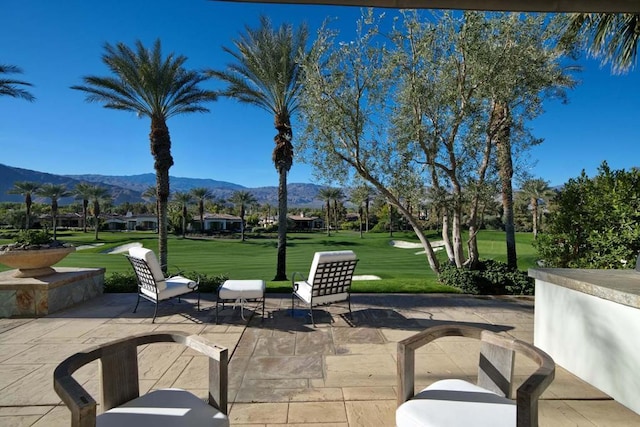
495,369
145,280
119,374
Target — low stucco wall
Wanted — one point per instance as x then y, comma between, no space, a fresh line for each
589,322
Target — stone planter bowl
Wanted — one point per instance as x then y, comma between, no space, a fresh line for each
34,263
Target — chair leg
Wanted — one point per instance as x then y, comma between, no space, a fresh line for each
217,300
349,302
311,313
198,300
263,298
155,313
137,302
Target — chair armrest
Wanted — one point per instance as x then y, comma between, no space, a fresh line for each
293,280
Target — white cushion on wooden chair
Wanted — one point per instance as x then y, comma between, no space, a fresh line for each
456,403
152,261
164,408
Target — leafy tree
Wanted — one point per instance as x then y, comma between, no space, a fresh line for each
595,223
266,74
12,87
159,88
54,192
26,189
242,199
613,38
201,194
184,199
97,194
536,190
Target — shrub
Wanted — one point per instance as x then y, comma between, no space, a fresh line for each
33,237
491,278
127,283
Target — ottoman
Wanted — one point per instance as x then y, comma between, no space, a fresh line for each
240,291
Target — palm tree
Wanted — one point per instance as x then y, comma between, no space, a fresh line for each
10,87
325,194
97,195
150,195
361,196
241,199
338,196
266,74
184,199
536,190
148,85
201,194
83,192
611,37
26,189
54,192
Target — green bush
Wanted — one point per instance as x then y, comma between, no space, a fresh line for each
491,278
126,282
33,237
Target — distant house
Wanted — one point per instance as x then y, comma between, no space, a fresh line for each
131,222
217,222
305,223
63,220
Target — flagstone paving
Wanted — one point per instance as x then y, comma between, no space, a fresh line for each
282,371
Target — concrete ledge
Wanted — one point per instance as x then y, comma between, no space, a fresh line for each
39,296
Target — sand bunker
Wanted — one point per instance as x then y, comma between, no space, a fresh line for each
437,245
366,277
88,246
122,248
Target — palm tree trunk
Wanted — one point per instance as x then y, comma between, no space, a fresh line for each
328,216
85,208
282,159
161,151
28,202
281,267
96,217
184,221
242,223
534,211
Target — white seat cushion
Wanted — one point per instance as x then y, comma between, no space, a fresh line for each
456,403
304,293
150,258
164,408
174,286
245,289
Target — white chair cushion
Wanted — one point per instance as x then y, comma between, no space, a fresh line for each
164,408
328,256
174,286
456,403
150,258
304,293
246,289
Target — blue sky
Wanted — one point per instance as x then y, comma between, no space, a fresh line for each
58,42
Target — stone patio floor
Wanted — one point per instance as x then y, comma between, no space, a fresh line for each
282,371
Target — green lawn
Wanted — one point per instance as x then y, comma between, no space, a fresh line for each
402,270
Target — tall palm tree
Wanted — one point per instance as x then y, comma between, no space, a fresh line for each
54,192
242,199
184,199
325,194
613,38
26,189
201,194
266,74
97,195
11,87
82,192
536,190
338,196
152,86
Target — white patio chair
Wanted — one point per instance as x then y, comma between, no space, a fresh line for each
455,402
329,280
120,401
152,285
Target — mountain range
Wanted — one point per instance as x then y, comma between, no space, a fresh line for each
130,188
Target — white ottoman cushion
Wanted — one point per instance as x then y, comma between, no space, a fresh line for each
456,403
244,289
